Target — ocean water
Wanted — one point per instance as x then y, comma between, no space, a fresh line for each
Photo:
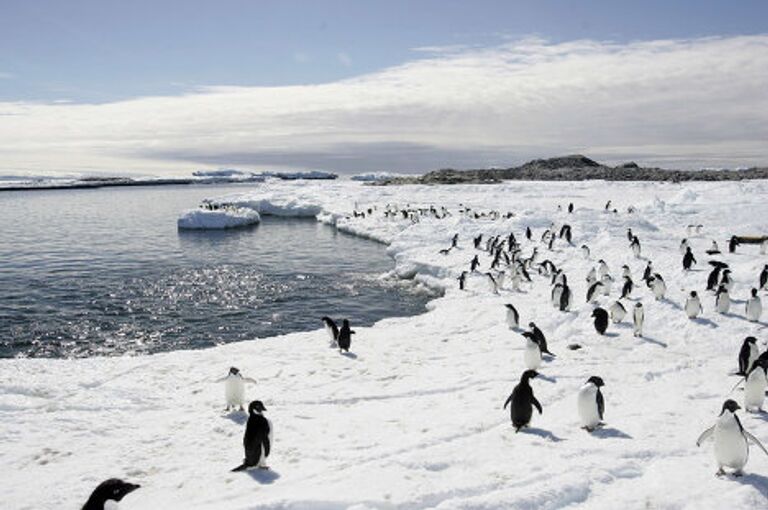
106,272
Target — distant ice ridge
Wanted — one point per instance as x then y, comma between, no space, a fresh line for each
376,176
228,175
229,217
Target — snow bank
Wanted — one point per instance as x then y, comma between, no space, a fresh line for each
414,419
217,219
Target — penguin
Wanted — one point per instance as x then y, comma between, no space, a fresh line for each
591,276
693,305
234,388
590,404
726,280
345,336
733,242
462,280
754,388
731,440
513,318
618,312
688,259
608,206
532,352
602,269
332,329
763,277
570,208
713,250
607,281
635,246
748,353
658,286
601,320
754,307
626,290
257,440
713,278
626,272
648,273
540,339
638,317
113,489
474,263
557,291
492,283
566,298
585,251
684,246
528,233
630,235
722,300
522,401
592,291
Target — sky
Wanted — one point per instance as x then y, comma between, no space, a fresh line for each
169,87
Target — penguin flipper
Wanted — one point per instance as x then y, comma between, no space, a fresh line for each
509,399
267,445
752,438
536,404
600,404
705,435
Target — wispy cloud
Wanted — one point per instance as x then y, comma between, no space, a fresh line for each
682,103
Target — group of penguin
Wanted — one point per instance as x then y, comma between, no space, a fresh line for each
731,439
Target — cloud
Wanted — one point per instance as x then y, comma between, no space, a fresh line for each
679,103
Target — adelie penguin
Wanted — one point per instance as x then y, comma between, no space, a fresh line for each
638,318
462,280
658,287
234,388
585,251
522,401
688,259
257,440
345,336
601,320
113,489
590,404
722,300
618,312
693,305
635,246
763,277
332,329
593,291
540,338
731,440
748,353
513,318
532,351
754,307
626,289
713,250
754,388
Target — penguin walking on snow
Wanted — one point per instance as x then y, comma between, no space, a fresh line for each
113,489
618,312
590,404
462,280
763,276
722,300
731,440
234,388
513,318
540,338
592,291
626,290
688,259
754,307
257,440
693,305
601,320
713,250
522,401
635,245
658,287
638,318
754,388
748,353
532,352
345,336
332,329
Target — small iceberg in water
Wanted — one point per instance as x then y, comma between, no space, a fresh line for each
212,216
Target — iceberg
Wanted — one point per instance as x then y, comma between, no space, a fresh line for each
227,217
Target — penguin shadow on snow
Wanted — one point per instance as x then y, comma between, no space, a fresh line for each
610,432
671,303
263,476
544,434
239,417
759,482
350,355
705,322
653,341
547,378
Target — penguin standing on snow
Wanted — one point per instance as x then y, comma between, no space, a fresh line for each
626,290
688,259
566,297
257,440
748,353
731,440
714,277
635,246
113,489
764,276
332,329
607,281
602,269
540,338
474,263
754,389
693,305
528,233
345,336
722,300
601,320
585,251
462,280
234,388
532,352
590,404
513,318
523,401
618,312
592,291
713,250
754,307
638,317
658,286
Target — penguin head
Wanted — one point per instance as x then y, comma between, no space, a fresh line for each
529,374
345,323
693,294
531,325
234,371
114,489
754,292
597,312
730,405
638,305
750,340
256,407
509,306
597,381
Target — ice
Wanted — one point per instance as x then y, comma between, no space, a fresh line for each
413,418
376,176
229,217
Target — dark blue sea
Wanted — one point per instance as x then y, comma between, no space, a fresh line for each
106,272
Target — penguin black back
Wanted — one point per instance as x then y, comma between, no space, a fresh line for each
113,489
256,438
345,336
601,320
522,401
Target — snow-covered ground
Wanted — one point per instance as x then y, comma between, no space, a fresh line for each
413,418
228,217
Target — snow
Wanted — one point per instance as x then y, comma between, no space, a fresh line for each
229,217
412,418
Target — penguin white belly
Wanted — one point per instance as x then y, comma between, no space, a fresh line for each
730,444
262,455
556,296
659,289
511,319
234,391
754,390
692,308
723,303
532,356
754,352
329,330
638,322
617,314
587,406
754,309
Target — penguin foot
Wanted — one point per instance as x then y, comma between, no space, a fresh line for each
738,473
720,472
242,409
